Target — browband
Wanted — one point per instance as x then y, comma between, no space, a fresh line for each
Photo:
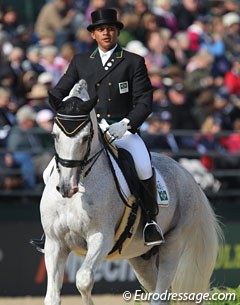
71,124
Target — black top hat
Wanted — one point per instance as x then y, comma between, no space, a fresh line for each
104,16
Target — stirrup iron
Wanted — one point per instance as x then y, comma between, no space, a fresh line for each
159,238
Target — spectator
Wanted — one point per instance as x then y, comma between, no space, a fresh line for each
232,142
232,77
32,60
53,24
10,22
156,44
198,33
84,42
24,36
123,6
38,97
15,59
231,37
185,13
7,118
214,42
180,107
27,147
28,80
46,79
209,141
140,8
180,49
64,57
198,73
217,8
131,23
20,143
158,133
49,62
165,18
231,5
44,120
137,47
224,108
148,24
6,46
203,107
9,81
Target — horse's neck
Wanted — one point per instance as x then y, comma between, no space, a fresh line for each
101,172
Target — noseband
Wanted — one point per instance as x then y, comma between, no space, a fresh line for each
71,125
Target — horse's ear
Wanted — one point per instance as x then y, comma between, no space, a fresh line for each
83,107
55,103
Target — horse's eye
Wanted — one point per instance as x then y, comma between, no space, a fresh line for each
84,139
54,135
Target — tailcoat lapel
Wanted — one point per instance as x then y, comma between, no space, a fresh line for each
111,64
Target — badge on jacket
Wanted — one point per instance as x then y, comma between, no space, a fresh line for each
123,87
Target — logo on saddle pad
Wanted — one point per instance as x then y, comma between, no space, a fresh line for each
162,191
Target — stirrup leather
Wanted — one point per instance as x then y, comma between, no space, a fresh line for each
148,226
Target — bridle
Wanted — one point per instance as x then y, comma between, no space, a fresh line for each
71,125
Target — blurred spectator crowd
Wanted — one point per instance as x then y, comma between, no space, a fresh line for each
192,53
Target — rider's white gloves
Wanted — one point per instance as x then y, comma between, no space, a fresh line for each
117,130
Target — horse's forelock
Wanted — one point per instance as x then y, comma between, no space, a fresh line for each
72,106
76,106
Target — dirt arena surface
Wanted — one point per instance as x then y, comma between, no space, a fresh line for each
66,300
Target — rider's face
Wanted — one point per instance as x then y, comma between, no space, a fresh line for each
105,36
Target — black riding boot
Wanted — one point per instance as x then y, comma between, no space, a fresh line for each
38,243
152,233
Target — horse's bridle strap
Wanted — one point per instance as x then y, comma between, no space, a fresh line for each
69,163
78,163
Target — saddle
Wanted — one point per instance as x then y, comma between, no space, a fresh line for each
125,162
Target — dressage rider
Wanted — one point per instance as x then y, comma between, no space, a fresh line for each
120,80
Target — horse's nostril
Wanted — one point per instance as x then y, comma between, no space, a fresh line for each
58,188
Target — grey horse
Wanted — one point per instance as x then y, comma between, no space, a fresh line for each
80,212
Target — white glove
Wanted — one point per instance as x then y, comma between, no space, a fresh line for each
117,130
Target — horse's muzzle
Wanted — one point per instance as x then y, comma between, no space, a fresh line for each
67,192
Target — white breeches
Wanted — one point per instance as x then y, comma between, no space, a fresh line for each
134,144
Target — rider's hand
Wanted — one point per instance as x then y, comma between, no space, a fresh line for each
117,130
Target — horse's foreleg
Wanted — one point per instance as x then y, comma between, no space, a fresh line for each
98,247
55,259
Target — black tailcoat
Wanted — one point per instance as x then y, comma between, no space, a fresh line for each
121,85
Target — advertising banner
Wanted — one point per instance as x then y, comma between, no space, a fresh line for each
22,269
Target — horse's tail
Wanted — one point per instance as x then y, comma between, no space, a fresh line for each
199,256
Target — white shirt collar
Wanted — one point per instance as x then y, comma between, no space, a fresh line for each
106,55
